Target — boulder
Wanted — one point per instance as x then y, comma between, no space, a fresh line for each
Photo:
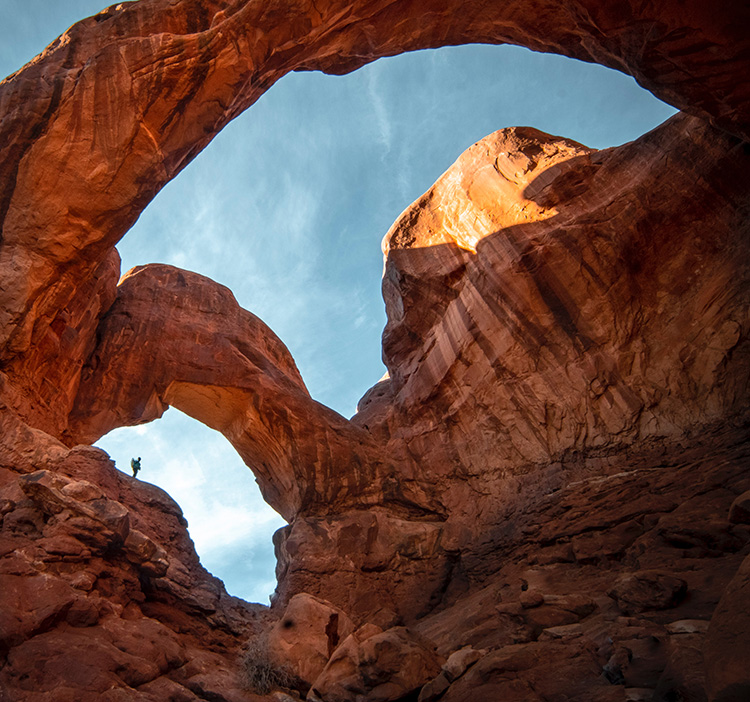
739,512
648,590
377,666
727,646
306,635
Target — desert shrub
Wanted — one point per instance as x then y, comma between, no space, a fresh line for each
261,675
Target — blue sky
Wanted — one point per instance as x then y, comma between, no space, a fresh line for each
288,207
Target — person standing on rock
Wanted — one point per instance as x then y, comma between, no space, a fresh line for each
135,464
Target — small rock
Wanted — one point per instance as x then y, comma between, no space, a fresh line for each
511,608
17,564
546,617
688,626
366,631
83,613
647,657
146,553
434,689
82,490
614,669
67,547
531,599
166,689
580,605
26,521
459,661
567,631
215,686
559,553
648,590
739,512
83,580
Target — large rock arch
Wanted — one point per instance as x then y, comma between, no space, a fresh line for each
120,103
173,337
566,411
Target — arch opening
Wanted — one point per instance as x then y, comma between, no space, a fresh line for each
403,565
289,203
366,145
316,237
228,520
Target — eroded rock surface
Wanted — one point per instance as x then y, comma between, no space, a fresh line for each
376,665
728,641
545,500
177,338
177,72
102,589
555,292
306,635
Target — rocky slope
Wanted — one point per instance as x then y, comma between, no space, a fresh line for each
548,497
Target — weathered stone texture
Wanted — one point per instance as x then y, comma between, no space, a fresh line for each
119,104
543,298
98,595
545,500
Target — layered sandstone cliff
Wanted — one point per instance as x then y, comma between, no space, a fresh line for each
546,499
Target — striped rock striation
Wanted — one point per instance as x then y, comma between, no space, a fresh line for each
119,104
544,499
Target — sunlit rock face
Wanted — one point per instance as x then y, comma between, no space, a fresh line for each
173,337
542,502
119,104
545,298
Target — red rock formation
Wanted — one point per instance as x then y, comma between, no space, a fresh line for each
562,296
553,476
306,635
177,338
523,359
101,587
176,73
728,641
376,665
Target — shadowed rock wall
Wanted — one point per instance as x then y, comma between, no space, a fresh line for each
119,104
547,499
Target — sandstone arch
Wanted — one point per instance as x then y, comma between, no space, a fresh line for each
500,353
177,338
175,73
456,522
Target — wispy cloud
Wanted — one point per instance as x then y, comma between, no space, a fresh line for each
383,121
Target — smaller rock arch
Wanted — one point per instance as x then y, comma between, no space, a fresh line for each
173,337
